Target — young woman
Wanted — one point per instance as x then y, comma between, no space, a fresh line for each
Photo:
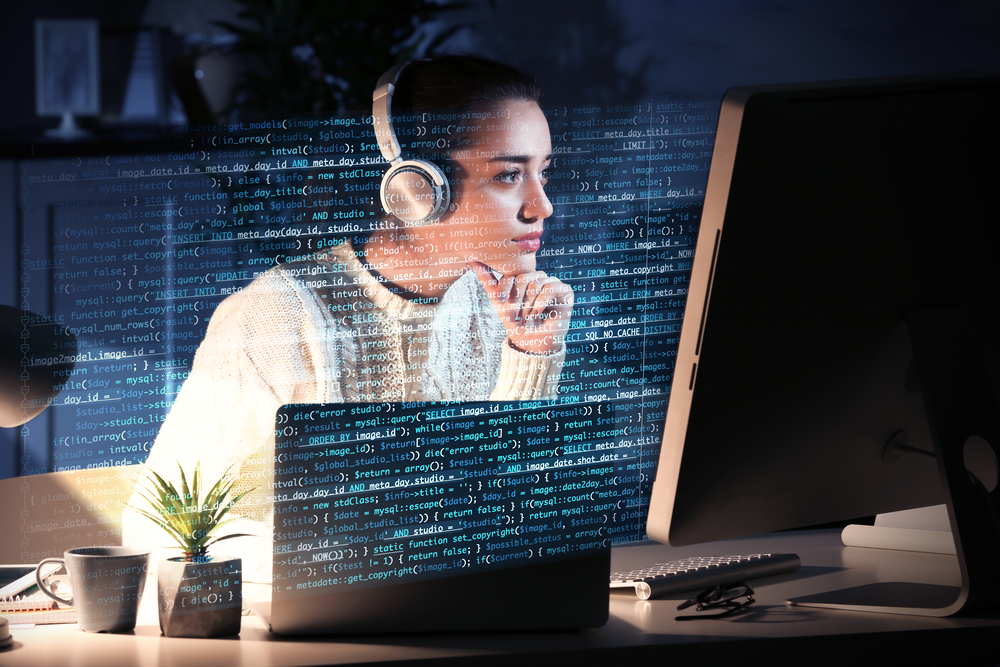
451,310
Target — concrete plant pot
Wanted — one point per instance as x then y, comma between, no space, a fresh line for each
200,599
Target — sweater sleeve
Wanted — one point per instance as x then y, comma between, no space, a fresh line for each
528,377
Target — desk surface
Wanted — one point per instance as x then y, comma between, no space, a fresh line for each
773,634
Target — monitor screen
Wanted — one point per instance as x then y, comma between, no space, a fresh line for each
847,258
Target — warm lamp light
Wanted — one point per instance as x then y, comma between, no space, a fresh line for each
28,386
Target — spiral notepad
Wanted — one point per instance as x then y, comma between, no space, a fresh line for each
36,609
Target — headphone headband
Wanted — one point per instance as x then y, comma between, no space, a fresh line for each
415,191
385,133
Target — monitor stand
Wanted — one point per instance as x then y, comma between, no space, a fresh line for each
964,419
927,529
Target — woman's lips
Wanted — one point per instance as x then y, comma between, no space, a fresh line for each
530,242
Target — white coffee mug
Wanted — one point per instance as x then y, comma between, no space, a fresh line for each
107,584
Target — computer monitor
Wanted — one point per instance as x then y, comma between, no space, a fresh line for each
844,311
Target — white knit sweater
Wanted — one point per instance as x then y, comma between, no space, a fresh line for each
324,331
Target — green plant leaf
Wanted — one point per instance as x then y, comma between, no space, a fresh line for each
166,527
228,537
170,522
187,517
219,504
168,494
186,497
195,501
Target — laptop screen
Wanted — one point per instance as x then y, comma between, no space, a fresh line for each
371,494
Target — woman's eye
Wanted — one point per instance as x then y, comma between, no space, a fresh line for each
509,176
515,176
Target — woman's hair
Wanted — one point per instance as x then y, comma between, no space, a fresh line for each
453,93
461,85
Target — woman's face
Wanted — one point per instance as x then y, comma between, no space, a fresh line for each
499,192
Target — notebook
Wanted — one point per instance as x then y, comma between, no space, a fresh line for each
35,609
441,517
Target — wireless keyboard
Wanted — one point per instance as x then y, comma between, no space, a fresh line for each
695,574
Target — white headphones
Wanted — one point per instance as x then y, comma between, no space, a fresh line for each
415,191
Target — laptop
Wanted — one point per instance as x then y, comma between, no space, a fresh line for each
441,517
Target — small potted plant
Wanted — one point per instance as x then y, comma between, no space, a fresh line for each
197,596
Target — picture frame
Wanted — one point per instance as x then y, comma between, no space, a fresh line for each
67,70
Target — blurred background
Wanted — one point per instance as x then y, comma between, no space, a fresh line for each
189,61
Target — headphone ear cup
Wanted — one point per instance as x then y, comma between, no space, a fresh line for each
416,192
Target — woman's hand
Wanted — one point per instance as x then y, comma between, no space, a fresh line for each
534,307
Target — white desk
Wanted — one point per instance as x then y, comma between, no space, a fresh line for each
774,634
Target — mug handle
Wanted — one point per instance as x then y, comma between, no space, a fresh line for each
43,588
